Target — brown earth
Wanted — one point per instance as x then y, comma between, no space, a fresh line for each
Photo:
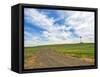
46,58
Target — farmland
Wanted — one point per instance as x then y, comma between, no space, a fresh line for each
59,55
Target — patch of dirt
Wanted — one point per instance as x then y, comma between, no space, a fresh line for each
88,59
48,57
30,62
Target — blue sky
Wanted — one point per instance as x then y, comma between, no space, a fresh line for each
45,26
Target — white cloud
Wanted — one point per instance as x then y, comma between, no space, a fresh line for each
40,19
32,41
82,22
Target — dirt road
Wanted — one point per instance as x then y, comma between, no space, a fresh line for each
49,58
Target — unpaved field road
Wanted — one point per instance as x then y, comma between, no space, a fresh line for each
47,58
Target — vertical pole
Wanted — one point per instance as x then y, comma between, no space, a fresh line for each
80,39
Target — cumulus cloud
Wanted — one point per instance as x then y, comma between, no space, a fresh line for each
83,23
39,19
75,24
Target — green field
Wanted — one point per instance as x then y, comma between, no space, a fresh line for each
80,50
77,50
